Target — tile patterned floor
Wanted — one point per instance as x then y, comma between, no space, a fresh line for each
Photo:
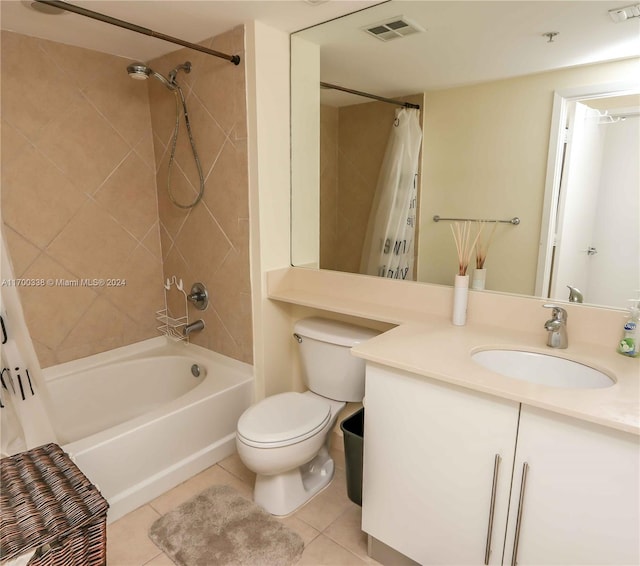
329,524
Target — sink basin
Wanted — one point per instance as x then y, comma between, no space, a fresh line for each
542,369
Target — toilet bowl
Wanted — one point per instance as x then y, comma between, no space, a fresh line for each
284,438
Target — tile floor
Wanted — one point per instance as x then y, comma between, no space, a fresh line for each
329,524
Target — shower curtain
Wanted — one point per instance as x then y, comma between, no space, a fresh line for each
388,249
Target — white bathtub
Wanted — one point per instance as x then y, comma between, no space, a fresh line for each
137,422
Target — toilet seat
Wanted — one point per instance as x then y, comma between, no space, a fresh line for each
284,419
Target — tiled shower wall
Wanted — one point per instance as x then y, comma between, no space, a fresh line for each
353,140
78,197
208,243
79,200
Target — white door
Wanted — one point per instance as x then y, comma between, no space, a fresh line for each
577,206
580,504
430,453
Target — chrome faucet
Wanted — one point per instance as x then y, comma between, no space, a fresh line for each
556,326
193,327
575,295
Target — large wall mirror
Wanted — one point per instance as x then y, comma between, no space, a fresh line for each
528,110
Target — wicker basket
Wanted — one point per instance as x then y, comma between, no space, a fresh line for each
47,503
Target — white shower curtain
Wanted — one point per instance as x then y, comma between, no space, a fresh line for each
388,249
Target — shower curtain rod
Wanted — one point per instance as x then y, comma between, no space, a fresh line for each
367,95
235,59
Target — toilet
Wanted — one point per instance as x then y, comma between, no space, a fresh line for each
284,438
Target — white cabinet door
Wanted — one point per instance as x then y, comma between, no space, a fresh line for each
581,502
429,455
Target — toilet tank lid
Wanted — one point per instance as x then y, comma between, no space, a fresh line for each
333,331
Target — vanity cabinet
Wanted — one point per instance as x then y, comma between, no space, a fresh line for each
430,451
581,499
443,471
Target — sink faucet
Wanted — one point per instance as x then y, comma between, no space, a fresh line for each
575,296
556,326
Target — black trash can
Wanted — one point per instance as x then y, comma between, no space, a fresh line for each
353,429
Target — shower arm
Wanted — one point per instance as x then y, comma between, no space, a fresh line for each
235,59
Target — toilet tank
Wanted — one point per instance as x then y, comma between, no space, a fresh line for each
328,367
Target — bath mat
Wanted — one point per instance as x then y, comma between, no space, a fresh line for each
219,526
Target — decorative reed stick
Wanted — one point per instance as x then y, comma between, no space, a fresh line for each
464,245
482,246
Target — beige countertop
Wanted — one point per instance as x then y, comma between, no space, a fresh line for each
437,349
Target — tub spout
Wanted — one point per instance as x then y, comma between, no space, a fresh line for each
193,327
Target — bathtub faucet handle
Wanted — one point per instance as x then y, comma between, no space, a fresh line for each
199,296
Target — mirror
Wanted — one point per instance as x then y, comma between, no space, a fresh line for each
495,86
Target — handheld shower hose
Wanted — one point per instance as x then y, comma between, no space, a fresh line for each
142,71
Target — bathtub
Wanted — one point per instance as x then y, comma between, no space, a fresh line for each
137,421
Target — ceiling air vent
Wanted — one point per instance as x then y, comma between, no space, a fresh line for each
393,28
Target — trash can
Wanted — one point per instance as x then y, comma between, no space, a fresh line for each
353,429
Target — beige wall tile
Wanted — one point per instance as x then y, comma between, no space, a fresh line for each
24,252
83,144
129,195
102,322
103,80
208,137
145,150
226,193
143,274
151,240
172,217
33,93
201,241
53,311
37,199
93,244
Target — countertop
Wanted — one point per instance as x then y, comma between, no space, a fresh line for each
437,349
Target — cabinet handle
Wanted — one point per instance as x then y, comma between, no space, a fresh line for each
514,555
492,507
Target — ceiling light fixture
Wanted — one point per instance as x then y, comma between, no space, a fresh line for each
626,13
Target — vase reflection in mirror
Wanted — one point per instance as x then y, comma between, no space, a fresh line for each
479,278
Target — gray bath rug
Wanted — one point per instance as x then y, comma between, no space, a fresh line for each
219,527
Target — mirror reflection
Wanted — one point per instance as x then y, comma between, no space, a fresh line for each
496,98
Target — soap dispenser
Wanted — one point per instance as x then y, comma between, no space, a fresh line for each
629,345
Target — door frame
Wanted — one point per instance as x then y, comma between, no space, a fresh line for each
548,223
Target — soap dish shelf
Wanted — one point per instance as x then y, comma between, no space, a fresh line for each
169,326
172,327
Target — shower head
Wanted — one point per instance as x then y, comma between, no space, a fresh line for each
140,71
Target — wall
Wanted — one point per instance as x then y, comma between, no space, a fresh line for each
78,196
349,176
484,156
268,123
329,187
208,243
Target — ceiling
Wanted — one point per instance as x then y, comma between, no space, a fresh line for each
468,42
464,42
188,20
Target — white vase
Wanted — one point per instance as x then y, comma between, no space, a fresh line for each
460,296
479,278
